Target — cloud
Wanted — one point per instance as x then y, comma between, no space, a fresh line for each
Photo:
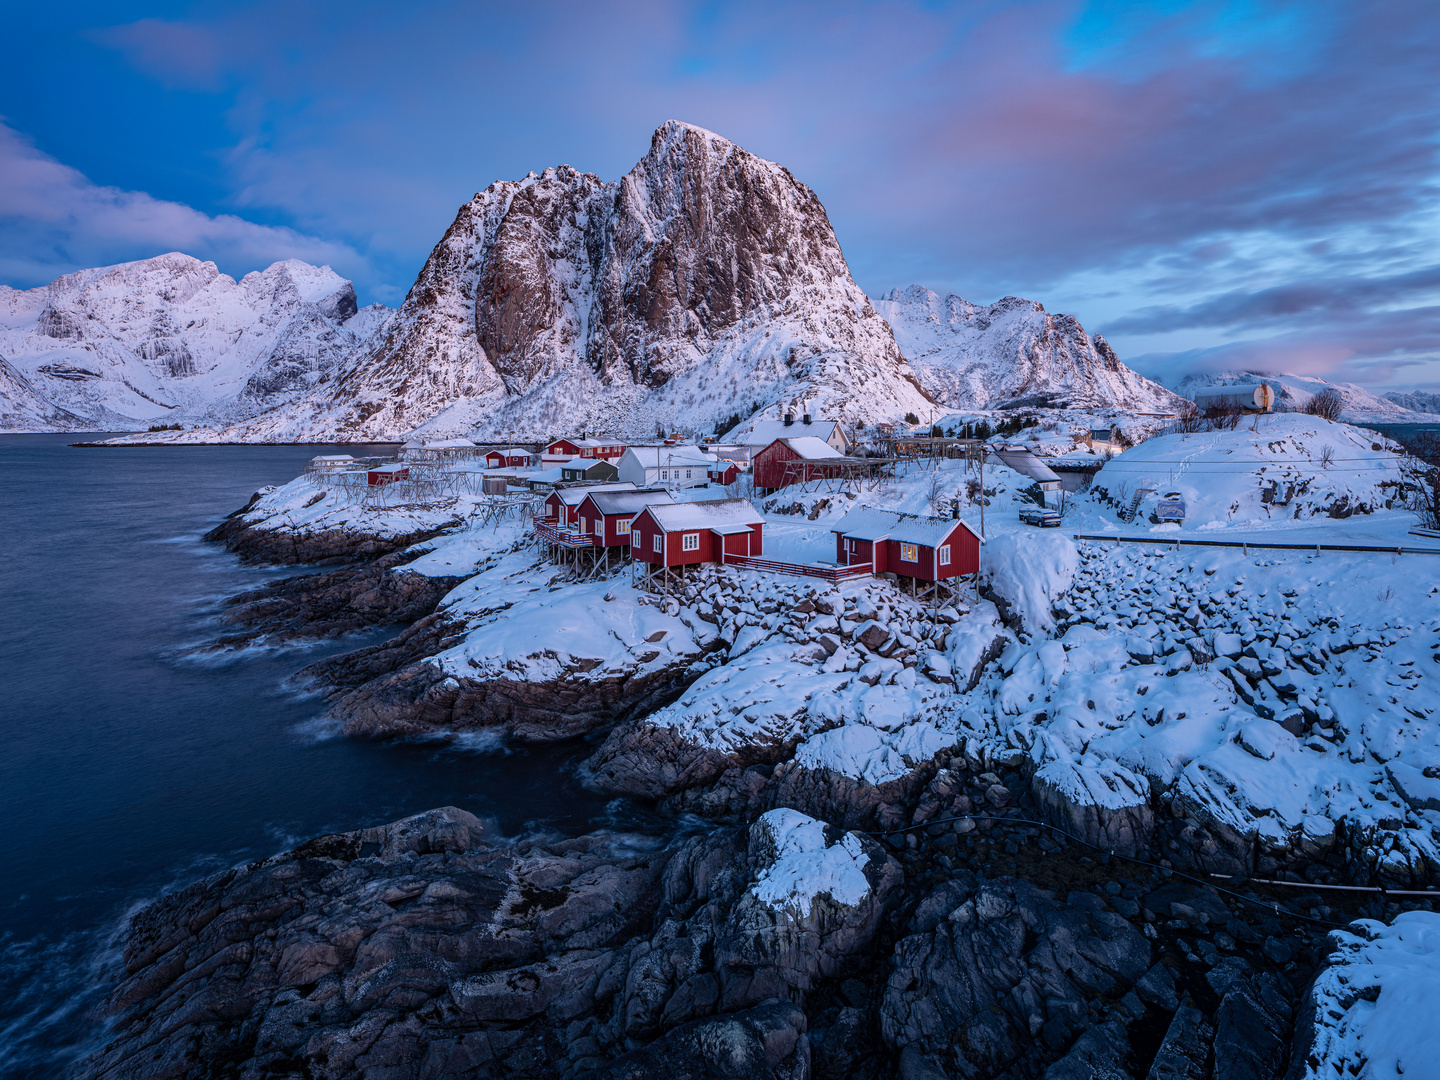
54,220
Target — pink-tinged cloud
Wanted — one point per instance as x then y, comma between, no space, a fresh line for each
54,220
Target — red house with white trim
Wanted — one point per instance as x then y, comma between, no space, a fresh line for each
907,545
516,457
562,507
686,534
560,450
795,461
387,474
608,516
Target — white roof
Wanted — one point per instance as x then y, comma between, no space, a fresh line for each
1026,463
810,448
391,468
710,514
767,431
576,495
661,457
549,476
333,457
447,444
869,523
511,451
597,442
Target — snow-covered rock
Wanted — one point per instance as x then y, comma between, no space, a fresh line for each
173,340
1416,401
703,282
1371,1010
1011,353
801,864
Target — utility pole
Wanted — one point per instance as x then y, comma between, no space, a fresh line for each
982,491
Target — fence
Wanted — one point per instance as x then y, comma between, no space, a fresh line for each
1175,541
832,574
565,537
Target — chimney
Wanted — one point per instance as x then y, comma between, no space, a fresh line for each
789,417
807,413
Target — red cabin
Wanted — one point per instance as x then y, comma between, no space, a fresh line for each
607,516
796,461
562,507
591,449
684,534
724,473
387,474
907,545
516,457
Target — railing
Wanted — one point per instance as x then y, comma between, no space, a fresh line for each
564,536
832,574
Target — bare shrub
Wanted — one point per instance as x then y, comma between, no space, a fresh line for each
1327,405
1327,456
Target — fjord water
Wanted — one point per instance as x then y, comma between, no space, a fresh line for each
133,761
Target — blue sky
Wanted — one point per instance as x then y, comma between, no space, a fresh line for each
1208,184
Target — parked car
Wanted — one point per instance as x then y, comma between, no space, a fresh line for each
1170,510
1040,516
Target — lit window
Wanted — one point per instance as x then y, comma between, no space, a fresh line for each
659,542
944,554
691,542
622,527
909,553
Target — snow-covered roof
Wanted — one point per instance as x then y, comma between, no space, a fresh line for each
710,514
1026,463
576,495
767,431
870,523
549,476
332,459
447,444
511,451
661,457
391,468
810,447
628,502
596,442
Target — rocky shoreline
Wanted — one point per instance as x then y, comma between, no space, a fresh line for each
923,922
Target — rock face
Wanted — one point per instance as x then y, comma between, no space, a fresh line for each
172,339
705,281
23,408
422,948
1012,353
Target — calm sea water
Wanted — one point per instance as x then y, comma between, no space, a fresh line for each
132,762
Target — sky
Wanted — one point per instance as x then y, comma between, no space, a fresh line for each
1212,186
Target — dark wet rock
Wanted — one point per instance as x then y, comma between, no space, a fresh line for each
1006,978
760,1043
333,603
1252,1028
422,948
1099,1054
1185,1052
422,699
253,541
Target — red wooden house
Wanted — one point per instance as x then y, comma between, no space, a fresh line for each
562,507
515,457
907,545
607,516
724,473
796,461
387,474
610,450
684,534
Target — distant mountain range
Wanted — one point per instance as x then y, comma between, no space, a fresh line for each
1010,354
704,283
1293,392
172,339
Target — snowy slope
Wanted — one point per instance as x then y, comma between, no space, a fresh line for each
705,281
24,409
1416,401
1293,392
1012,352
1267,469
172,340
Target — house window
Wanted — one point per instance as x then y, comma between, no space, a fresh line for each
944,554
690,542
622,527
909,553
687,474
659,542
664,474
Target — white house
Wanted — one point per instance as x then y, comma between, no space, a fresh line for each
767,431
665,466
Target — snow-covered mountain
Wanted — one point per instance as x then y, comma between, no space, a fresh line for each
1293,392
1415,401
172,339
704,282
1012,353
